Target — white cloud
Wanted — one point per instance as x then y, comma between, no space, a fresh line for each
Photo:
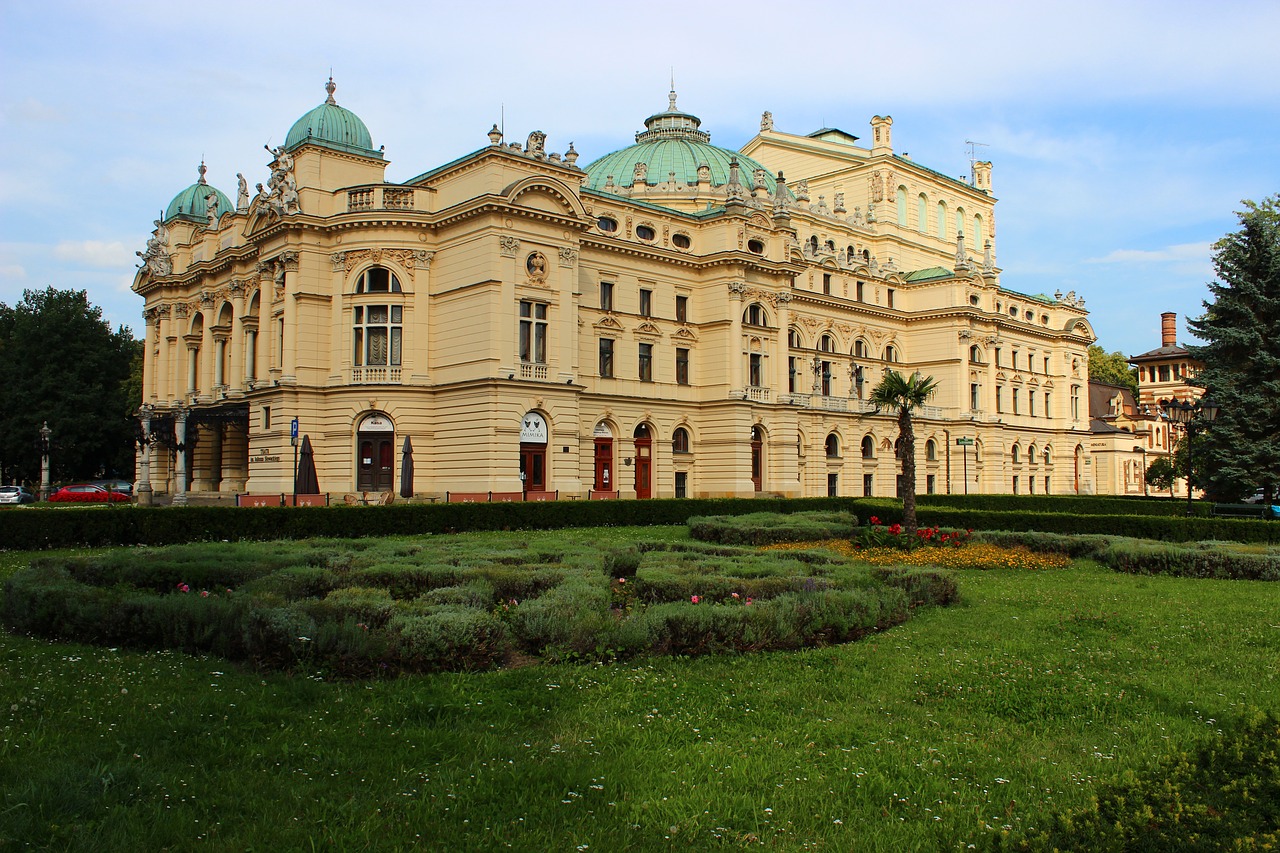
13,272
1169,254
98,254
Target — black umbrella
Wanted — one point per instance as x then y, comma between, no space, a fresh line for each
307,482
406,469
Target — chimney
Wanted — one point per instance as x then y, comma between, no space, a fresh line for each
1169,329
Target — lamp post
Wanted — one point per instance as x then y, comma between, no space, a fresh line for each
45,435
1191,415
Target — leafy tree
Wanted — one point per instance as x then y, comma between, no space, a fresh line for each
61,363
1242,356
905,394
1112,368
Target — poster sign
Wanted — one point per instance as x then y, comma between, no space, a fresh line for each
533,429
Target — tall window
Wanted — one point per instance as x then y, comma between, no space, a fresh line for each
606,358
859,290
1016,394
942,220
826,283
1075,402
999,398
902,206
890,353
682,366
646,302
1048,412
533,332
606,296
646,362
826,379
833,446
756,367
973,397
868,447
922,213
889,297
377,334
680,440
1031,403
682,309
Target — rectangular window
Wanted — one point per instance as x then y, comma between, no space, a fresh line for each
999,398
792,372
682,366
859,289
973,397
682,309
1015,484
1046,365
756,370
1031,363
1015,400
1075,402
1164,373
889,296
1048,412
826,379
266,418
533,332
930,484
1013,362
1031,403
682,484
867,484
646,362
606,358
826,283
377,335
646,302
606,296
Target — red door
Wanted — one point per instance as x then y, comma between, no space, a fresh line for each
604,465
757,458
644,467
533,467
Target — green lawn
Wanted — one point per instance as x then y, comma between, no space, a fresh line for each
1015,702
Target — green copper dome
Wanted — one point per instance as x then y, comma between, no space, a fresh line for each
192,203
333,127
672,142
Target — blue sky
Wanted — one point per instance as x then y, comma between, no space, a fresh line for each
1123,135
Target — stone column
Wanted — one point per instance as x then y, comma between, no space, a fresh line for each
180,466
236,341
289,365
736,350
45,435
144,472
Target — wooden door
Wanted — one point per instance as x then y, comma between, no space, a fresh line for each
604,465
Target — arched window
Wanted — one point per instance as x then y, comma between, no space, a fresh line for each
959,221
922,213
931,450
1031,455
1046,455
868,447
1016,455
755,315
377,280
859,349
827,344
833,446
793,339
831,246
850,256
890,353
902,206
680,440
813,245
942,220
975,355
977,231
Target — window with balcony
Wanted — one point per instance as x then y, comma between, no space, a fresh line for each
377,334
756,370
533,332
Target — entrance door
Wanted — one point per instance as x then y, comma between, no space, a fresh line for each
533,467
604,465
374,472
757,457
644,462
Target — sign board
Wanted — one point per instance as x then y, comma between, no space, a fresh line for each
602,431
533,429
377,423
293,432
964,442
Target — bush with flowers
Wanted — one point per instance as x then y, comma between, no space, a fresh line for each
877,535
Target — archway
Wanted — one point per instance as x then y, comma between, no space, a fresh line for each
757,458
603,436
533,453
375,445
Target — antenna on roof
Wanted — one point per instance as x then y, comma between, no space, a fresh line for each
973,158
502,119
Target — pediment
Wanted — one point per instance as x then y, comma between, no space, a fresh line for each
648,329
608,322
684,333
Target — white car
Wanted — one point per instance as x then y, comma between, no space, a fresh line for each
15,495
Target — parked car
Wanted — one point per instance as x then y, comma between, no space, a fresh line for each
124,487
87,493
15,495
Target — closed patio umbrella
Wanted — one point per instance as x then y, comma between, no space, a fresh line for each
406,469
307,483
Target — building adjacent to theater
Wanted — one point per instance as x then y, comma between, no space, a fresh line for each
672,319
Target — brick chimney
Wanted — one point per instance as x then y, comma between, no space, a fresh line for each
1168,329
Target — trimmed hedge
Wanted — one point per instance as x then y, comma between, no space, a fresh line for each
769,528
38,528
1166,528
1076,504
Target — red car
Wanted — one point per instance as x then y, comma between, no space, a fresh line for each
87,493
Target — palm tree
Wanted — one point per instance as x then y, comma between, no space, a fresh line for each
897,392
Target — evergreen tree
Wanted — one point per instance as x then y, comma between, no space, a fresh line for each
61,363
1242,357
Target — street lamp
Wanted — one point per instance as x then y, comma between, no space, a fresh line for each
1191,415
45,435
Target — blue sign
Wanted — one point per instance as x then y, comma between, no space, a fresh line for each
293,431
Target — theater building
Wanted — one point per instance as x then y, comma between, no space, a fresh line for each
671,319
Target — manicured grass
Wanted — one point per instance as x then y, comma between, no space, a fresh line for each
1014,702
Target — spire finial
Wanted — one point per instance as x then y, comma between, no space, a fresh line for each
202,170
671,96
330,88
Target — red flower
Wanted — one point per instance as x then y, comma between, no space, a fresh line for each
694,599
875,519
895,529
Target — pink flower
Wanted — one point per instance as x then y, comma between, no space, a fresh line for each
622,580
694,599
228,590
182,587
204,593
735,595
748,601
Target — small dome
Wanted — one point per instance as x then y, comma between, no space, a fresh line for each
192,203
333,127
672,141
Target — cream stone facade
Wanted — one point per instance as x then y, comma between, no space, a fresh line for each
674,319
